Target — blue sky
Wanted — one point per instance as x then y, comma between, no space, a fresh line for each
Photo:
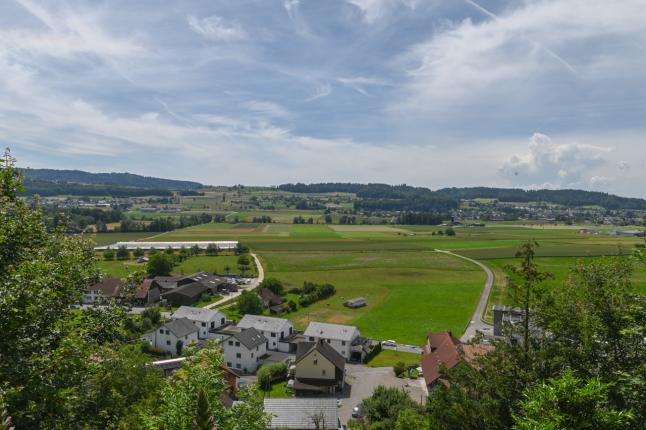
433,93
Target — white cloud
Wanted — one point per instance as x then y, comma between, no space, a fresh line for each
374,10
321,90
560,165
266,108
214,27
359,83
520,53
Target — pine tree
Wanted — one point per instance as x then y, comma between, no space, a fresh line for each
203,418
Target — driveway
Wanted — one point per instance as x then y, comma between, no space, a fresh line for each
476,324
249,287
361,381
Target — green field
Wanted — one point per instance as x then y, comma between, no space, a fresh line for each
199,263
559,267
408,293
388,357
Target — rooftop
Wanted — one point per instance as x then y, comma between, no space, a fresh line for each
181,327
297,413
197,314
331,331
263,323
250,337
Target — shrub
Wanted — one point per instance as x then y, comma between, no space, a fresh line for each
399,368
271,373
311,293
108,254
274,285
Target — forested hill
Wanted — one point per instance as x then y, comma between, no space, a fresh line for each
404,197
122,179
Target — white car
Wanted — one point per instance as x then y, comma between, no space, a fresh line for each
391,343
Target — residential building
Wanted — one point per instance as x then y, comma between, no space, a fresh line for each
319,369
148,292
101,292
345,339
244,349
503,315
444,349
303,414
166,337
269,298
204,319
186,295
276,330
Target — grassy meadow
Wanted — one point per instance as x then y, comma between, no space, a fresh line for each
198,263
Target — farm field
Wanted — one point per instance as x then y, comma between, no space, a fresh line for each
408,294
110,238
559,267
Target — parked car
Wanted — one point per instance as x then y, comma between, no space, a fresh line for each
391,343
357,411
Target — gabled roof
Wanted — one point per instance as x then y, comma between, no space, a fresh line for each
197,314
297,413
331,331
263,323
306,348
250,338
270,297
181,327
444,349
194,289
109,287
166,281
144,288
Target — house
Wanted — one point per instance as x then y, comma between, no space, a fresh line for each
186,294
355,303
244,349
166,283
444,349
166,337
503,315
269,298
208,280
204,319
319,369
276,330
148,292
303,414
107,289
345,339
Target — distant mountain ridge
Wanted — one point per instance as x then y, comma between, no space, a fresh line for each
122,179
405,197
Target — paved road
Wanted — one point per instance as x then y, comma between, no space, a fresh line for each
413,349
476,323
249,287
361,381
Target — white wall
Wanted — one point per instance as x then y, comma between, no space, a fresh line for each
165,340
247,362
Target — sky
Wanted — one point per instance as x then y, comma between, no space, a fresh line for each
434,93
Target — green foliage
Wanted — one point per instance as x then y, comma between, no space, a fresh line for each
108,254
138,252
411,419
399,368
569,403
449,232
249,303
271,373
203,418
123,253
5,419
312,292
212,249
160,265
385,405
274,285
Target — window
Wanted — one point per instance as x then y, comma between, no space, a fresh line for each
238,366
222,321
238,355
273,335
237,343
167,331
231,342
203,324
343,343
161,331
315,362
323,372
252,355
212,324
228,364
311,338
168,342
329,341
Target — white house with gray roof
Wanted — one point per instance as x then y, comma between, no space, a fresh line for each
165,338
244,349
203,319
340,337
276,330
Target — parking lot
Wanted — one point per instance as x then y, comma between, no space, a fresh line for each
361,381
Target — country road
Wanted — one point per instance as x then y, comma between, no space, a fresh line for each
477,323
251,286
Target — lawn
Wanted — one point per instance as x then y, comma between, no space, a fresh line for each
199,263
388,358
279,390
408,294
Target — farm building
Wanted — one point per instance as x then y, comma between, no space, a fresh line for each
356,302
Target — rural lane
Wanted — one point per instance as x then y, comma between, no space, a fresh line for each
252,286
477,323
